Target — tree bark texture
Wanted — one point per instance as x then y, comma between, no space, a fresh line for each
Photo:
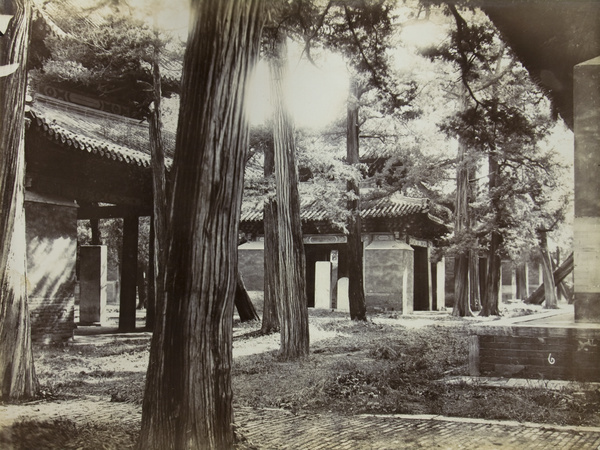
243,303
17,373
474,284
270,318
549,286
151,309
522,281
292,307
489,305
188,398
490,302
159,191
462,306
356,291
538,296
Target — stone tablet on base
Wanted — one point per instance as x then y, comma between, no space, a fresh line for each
323,285
92,282
343,300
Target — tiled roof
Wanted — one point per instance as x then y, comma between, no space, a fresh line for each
78,142
390,207
396,206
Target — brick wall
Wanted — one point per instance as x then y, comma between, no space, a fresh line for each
541,353
251,257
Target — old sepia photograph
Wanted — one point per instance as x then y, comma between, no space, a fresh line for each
299,224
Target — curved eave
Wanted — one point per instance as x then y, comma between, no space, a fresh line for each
69,140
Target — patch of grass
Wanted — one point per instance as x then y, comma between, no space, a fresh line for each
130,392
381,368
64,434
384,365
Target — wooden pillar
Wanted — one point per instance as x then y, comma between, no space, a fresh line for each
586,227
95,226
429,281
128,274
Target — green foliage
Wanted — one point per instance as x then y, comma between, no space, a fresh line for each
514,180
112,59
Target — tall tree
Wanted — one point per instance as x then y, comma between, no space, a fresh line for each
356,291
188,398
159,190
17,373
361,31
462,223
548,272
495,122
292,306
270,318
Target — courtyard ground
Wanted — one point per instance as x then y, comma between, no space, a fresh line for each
392,382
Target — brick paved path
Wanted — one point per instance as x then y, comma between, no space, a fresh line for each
272,429
279,429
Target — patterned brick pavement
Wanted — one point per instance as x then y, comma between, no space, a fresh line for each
280,429
274,429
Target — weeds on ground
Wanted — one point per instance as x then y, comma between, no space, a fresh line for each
64,434
115,370
380,368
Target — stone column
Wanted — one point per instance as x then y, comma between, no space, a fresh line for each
389,275
441,283
586,118
323,284
92,284
513,283
334,258
343,299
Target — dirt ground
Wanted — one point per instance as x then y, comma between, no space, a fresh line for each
391,364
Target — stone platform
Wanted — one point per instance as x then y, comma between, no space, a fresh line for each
549,346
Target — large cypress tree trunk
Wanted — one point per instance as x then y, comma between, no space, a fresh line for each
159,191
474,285
489,305
490,301
17,373
292,307
188,398
243,302
548,273
462,305
270,318
356,292
522,281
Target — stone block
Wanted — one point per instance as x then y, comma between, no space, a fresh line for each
92,281
343,299
51,237
389,273
323,284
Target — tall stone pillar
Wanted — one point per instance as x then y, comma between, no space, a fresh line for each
92,283
323,285
586,117
441,283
